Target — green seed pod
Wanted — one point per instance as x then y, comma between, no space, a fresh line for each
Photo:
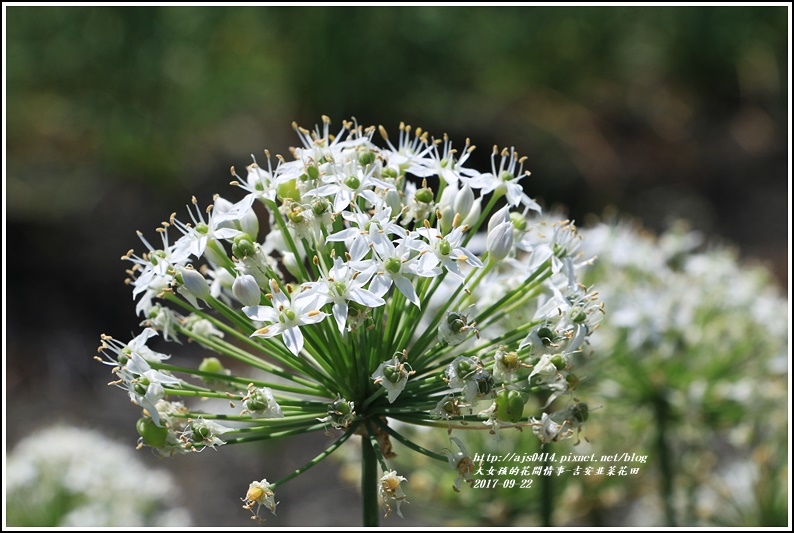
320,206
243,246
392,374
509,406
366,158
341,407
152,434
485,382
580,412
392,265
519,221
295,215
559,362
353,182
313,172
424,195
578,315
289,190
464,367
200,432
546,335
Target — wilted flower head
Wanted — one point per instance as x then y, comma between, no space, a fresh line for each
259,495
391,491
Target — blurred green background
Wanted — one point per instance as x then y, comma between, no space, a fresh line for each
117,115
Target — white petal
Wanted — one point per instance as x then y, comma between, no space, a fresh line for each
293,339
365,297
261,313
340,314
407,288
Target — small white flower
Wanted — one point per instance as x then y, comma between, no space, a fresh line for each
286,316
145,385
341,285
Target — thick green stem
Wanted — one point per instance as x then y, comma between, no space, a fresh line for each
662,414
369,483
547,496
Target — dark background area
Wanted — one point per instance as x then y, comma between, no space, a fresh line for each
117,115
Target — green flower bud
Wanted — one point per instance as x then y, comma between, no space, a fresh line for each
341,406
152,434
211,364
464,367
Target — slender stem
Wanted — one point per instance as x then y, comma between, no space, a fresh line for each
369,483
411,444
328,451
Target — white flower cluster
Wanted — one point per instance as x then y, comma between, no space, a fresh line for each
699,347
378,241
76,477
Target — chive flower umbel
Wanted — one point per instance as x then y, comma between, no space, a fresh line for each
364,295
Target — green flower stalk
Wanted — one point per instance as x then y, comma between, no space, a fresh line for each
368,299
